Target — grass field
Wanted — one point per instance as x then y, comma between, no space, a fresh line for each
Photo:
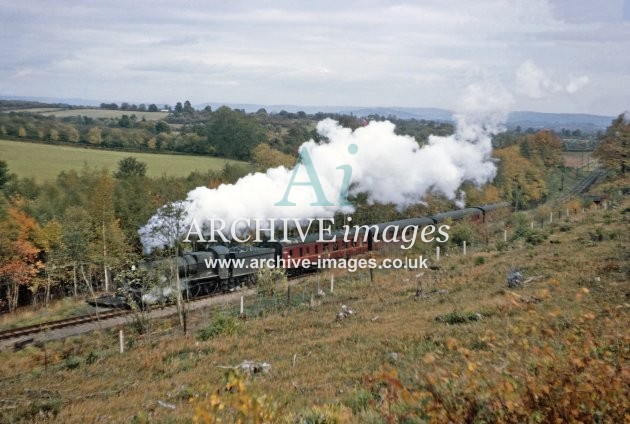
45,162
578,159
96,113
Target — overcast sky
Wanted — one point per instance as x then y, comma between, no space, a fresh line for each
555,55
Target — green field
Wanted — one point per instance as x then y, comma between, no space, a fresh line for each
96,113
45,162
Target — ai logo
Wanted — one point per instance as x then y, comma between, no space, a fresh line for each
313,180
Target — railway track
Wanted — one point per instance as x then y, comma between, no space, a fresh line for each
20,334
15,333
584,184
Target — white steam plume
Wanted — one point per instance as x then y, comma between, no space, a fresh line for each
390,168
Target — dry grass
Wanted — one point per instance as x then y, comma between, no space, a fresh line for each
59,309
578,159
317,360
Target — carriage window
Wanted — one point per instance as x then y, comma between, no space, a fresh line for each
301,253
325,247
316,249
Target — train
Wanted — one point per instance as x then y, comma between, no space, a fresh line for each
218,268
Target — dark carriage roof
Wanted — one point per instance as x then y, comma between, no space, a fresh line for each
456,214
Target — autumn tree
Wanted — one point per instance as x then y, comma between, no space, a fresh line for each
19,262
48,238
266,157
614,147
545,147
94,136
519,180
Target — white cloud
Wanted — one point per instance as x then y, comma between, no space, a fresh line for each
406,54
576,83
534,82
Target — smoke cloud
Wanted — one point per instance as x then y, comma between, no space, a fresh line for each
390,168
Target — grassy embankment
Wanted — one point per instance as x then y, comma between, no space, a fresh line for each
556,345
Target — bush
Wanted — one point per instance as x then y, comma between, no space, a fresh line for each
535,237
236,402
222,324
327,414
271,281
550,371
358,401
462,232
72,362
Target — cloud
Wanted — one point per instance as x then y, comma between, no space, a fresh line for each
576,83
404,53
534,82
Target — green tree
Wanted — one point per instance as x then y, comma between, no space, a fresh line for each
130,167
162,127
233,133
153,107
77,236
188,108
614,147
4,173
109,246
124,122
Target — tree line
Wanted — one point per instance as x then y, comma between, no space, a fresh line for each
71,235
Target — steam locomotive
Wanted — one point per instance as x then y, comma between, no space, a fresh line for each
218,268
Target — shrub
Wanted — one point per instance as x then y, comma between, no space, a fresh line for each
222,324
236,402
462,232
271,281
326,414
358,401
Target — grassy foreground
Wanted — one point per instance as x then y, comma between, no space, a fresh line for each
44,162
468,349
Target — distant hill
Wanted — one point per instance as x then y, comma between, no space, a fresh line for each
524,119
557,121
